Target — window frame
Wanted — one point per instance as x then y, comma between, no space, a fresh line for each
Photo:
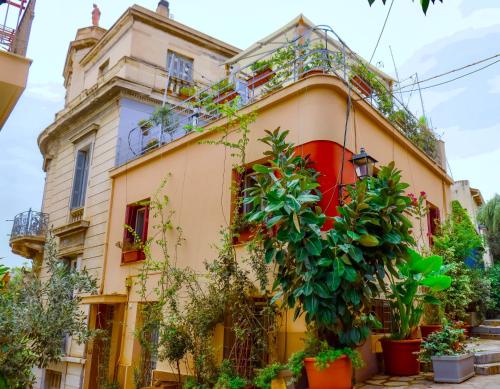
433,221
86,148
129,239
177,71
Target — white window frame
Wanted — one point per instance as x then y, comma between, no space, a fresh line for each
179,69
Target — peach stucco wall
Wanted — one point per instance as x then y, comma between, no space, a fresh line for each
198,186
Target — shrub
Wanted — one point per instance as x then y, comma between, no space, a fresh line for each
448,341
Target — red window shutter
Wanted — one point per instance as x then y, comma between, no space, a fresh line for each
146,222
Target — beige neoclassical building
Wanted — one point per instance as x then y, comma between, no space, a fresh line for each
100,164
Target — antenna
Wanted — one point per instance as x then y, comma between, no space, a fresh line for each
396,71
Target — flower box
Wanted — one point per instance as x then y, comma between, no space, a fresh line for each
453,368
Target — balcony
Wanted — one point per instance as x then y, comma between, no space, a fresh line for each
28,234
318,51
16,17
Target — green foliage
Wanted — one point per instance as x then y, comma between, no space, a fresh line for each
459,234
424,3
163,116
265,376
260,66
346,264
36,314
407,295
228,379
493,275
489,215
448,341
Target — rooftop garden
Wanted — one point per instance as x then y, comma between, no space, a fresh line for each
273,71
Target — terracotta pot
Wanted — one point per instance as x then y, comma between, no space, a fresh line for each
467,329
400,356
338,375
362,85
132,256
428,329
260,78
225,97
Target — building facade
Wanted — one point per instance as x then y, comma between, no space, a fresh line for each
102,162
311,104
113,78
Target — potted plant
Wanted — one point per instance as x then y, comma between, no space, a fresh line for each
263,72
407,298
223,92
315,61
152,144
132,252
145,125
432,318
326,367
186,92
267,375
451,361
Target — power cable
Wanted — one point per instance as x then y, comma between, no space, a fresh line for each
382,31
449,72
454,79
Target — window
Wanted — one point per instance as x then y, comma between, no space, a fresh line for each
136,231
247,181
382,310
179,66
80,178
433,221
52,379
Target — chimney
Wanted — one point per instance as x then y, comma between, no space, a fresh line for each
163,8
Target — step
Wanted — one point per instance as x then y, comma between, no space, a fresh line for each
492,322
482,329
487,336
487,357
487,368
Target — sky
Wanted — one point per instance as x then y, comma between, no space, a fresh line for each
464,112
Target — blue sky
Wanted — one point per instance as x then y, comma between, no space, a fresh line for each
465,112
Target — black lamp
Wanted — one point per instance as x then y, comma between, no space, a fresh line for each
363,163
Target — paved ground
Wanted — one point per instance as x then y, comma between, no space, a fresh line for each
424,380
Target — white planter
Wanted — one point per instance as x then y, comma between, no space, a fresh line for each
453,368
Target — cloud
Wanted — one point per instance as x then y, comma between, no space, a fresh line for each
435,98
50,92
467,143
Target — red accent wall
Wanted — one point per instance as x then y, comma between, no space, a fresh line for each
327,160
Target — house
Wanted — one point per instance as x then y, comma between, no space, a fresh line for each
112,78
311,100
103,163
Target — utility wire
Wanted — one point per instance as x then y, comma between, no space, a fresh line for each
382,31
453,79
450,71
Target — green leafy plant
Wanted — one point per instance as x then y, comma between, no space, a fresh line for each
448,341
228,379
493,274
415,284
260,66
187,91
144,124
266,375
164,117
489,216
344,265
37,313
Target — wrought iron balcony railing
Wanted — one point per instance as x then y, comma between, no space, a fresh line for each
318,51
30,224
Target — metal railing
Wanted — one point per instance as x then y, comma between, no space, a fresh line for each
16,17
30,224
318,51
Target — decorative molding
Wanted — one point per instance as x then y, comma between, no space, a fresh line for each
71,237
87,131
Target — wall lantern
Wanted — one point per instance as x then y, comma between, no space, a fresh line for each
363,163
